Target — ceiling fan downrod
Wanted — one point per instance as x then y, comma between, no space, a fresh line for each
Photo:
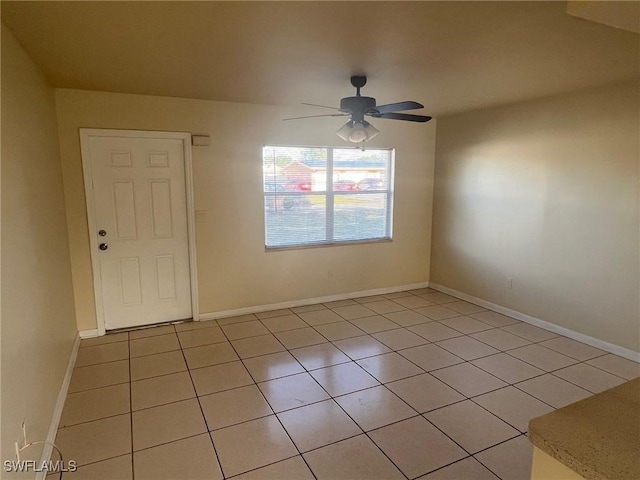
358,81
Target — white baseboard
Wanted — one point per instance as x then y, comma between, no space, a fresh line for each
57,412
580,337
309,301
88,333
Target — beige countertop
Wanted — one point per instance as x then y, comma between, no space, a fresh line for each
598,438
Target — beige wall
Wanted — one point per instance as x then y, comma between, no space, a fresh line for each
38,320
545,192
234,271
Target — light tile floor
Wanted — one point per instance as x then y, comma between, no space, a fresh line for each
410,385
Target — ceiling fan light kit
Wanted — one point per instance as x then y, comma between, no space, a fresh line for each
357,129
357,132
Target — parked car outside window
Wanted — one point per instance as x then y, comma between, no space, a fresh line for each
275,203
371,184
345,186
299,186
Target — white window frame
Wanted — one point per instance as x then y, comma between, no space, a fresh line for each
329,195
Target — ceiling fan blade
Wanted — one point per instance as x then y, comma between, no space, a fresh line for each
398,107
321,106
316,116
402,116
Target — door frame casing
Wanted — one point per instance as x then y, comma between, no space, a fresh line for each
85,134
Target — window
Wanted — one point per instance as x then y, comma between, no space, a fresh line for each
324,195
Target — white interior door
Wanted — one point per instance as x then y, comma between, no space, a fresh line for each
140,238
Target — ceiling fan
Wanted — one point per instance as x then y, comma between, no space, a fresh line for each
357,129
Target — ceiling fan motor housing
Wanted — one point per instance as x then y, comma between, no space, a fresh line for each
357,104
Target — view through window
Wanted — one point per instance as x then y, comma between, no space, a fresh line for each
325,195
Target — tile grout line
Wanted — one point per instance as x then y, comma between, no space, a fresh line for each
496,445
471,399
419,415
270,406
276,414
381,384
133,470
465,398
204,417
331,397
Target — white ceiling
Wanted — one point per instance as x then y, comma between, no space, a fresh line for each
450,56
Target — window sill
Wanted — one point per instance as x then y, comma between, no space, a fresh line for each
327,244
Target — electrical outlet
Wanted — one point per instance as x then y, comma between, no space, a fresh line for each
508,282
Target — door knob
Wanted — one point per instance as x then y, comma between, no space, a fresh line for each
103,246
